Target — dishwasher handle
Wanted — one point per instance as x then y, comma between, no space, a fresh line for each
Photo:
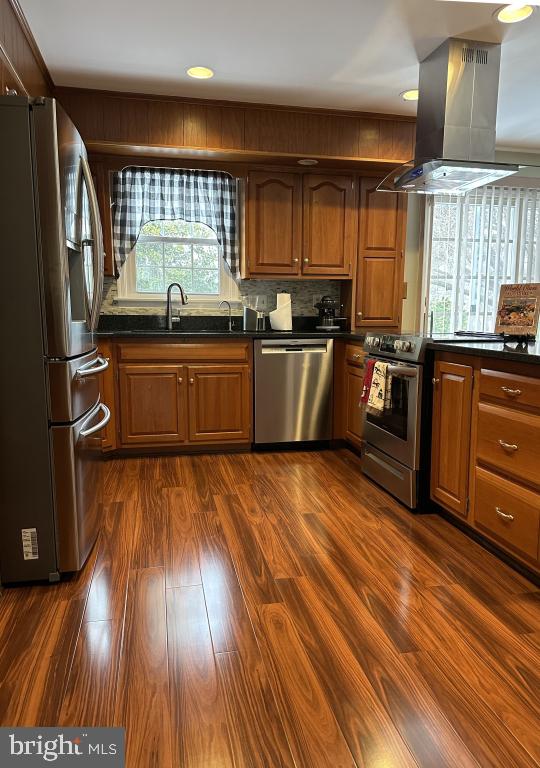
293,346
320,349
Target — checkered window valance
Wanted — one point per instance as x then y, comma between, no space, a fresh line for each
141,195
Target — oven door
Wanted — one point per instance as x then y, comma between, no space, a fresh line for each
396,431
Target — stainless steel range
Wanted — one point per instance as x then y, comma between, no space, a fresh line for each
392,450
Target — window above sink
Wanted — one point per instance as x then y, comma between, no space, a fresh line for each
176,252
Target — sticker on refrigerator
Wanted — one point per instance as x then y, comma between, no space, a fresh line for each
29,542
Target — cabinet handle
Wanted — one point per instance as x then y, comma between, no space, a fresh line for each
511,392
356,356
435,381
504,515
180,379
508,446
192,381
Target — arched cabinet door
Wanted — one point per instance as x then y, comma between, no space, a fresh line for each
330,225
379,278
274,223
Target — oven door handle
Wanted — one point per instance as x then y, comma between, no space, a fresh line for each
403,370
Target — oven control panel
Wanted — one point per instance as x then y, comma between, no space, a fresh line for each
394,346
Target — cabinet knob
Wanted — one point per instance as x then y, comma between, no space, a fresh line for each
511,392
435,381
508,446
359,314
504,515
295,261
306,261
180,379
192,381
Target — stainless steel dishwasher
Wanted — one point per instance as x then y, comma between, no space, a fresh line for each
293,390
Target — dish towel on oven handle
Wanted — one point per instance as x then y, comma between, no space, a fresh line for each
366,386
380,391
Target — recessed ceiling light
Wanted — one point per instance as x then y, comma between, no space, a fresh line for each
200,73
511,14
411,95
308,161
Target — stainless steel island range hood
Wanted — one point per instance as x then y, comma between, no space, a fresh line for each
455,125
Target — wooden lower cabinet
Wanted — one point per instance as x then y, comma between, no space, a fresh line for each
354,417
451,435
152,404
180,398
219,403
348,383
508,512
485,448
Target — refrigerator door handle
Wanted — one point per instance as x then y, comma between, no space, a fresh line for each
100,425
97,238
98,365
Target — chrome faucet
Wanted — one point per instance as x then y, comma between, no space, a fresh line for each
183,298
230,312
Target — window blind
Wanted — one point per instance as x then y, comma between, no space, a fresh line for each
475,244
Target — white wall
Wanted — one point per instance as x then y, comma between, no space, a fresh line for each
413,264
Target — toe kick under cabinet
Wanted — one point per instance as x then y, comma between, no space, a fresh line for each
183,395
490,453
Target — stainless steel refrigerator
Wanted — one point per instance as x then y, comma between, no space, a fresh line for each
51,278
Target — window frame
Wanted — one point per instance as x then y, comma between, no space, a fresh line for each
521,193
128,295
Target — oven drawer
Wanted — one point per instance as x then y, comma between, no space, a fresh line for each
508,512
509,389
510,441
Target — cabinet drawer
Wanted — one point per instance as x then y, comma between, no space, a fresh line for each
354,355
508,512
510,389
184,352
509,440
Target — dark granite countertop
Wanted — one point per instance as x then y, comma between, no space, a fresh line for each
187,334
212,327
481,348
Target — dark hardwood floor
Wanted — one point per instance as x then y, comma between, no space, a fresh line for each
279,610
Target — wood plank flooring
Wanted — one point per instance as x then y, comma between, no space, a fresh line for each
278,610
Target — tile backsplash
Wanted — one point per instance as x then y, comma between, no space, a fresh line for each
302,296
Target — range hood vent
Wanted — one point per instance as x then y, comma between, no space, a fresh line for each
455,125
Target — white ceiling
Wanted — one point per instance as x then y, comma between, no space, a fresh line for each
348,54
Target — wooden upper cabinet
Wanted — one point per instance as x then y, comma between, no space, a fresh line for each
219,403
379,277
330,225
274,223
152,404
451,436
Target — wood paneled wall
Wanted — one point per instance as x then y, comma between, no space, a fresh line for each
128,120
21,65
